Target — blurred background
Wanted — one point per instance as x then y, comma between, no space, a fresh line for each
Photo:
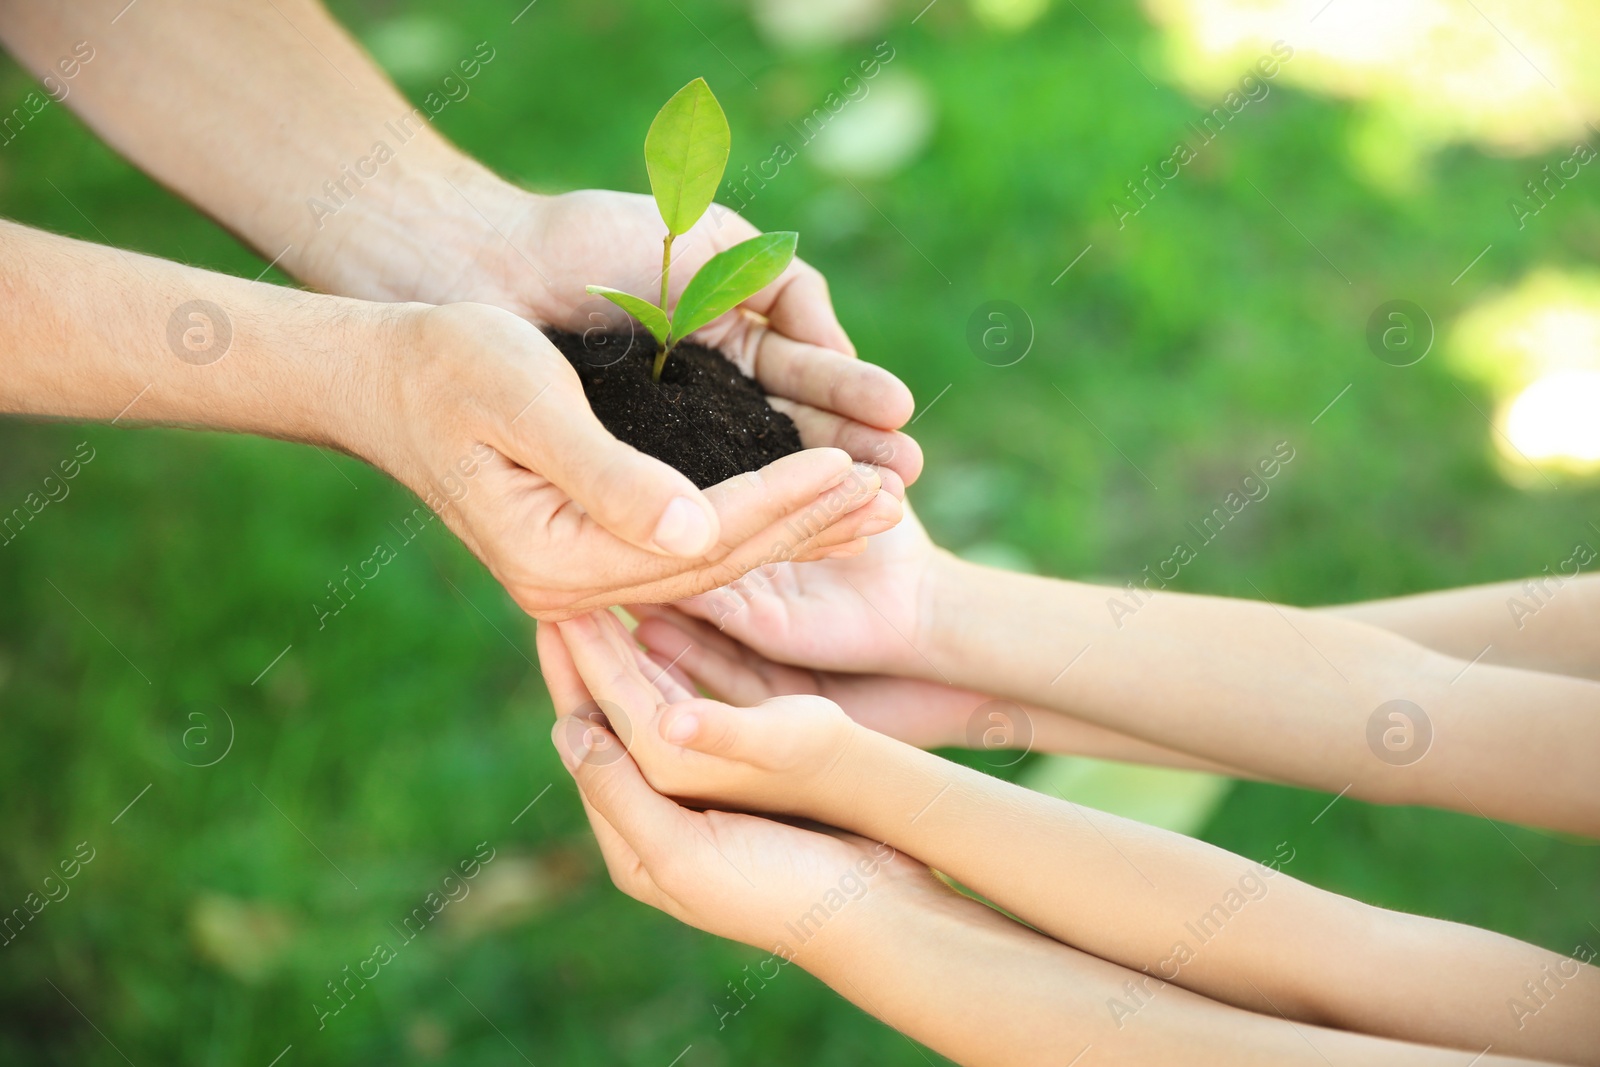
1382,255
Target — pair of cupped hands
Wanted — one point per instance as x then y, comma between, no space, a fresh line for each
668,777
564,515
571,520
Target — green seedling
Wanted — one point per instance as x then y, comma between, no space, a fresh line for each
686,152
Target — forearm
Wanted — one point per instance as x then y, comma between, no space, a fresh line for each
1180,911
1546,623
983,990
1284,693
94,333
1056,732
274,121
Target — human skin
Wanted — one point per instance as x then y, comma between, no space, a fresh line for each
1278,692
1544,623
285,105
1300,975
461,403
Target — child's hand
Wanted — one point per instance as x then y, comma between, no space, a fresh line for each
868,613
777,757
777,887
920,713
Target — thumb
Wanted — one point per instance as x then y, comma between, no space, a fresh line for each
763,736
638,498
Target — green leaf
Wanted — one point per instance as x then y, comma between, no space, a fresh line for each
654,319
731,277
686,152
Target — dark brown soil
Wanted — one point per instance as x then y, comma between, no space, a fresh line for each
704,417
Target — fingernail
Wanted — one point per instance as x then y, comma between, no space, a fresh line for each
682,728
684,529
865,477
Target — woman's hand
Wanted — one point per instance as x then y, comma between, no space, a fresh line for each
474,410
768,884
920,713
595,669
737,876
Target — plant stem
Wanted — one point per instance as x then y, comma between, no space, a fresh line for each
666,346
666,265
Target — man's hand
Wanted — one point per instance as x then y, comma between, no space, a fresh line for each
489,242
565,516
475,411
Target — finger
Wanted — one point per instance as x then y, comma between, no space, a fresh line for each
844,551
650,825
885,449
810,487
699,635
824,379
775,493
750,735
627,871
773,512
603,652
723,666
662,675
798,305
567,692
638,498
883,512
729,679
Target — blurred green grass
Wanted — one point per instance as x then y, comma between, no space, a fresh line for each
414,726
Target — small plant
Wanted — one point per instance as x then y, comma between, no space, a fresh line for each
686,152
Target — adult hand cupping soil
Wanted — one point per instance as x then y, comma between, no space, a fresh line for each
533,255
564,515
478,413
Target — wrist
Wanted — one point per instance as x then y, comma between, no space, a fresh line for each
953,591
858,790
901,893
359,385
442,228
903,904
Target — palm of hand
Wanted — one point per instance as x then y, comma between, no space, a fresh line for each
592,663
750,875
921,713
861,614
